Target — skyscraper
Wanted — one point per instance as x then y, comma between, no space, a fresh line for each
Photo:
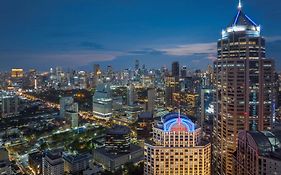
243,88
176,148
176,70
102,102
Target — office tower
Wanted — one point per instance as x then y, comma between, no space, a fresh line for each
65,104
102,102
151,99
118,139
76,163
258,153
176,70
176,148
176,74
170,88
82,80
73,117
183,71
131,94
52,163
8,104
243,88
207,105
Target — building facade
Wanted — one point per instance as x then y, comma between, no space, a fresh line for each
102,102
76,164
243,88
258,153
52,163
118,140
176,148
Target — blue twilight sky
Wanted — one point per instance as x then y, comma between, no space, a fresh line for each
77,33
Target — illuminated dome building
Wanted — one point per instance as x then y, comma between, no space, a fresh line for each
176,148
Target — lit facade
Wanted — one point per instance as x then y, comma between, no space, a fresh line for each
176,148
9,103
52,163
17,73
102,102
243,80
258,153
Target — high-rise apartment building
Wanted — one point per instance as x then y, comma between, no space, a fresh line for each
243,88
176,148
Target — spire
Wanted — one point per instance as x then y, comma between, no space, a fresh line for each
239,5
179,116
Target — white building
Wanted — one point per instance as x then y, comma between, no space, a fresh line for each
102,102
176,148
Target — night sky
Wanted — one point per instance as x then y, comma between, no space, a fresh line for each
77,33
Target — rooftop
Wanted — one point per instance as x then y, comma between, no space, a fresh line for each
119,130
133,148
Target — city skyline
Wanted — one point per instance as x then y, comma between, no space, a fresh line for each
77,34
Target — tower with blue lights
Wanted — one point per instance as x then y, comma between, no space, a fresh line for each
243,88
177,148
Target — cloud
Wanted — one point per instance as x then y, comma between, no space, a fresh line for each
145,51
191,49
273,38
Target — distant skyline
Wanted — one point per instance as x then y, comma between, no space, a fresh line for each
77,34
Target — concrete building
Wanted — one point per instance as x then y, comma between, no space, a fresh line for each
258,153
243,80
118,140
151,94
170,88
73,117
9,103
102,102
176,148
35,162
65,104
118,150
75,164
112,162
52,163
176,70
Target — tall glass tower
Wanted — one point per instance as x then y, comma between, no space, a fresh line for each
243,88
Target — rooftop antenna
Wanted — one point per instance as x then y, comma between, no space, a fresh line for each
239,5
179,116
